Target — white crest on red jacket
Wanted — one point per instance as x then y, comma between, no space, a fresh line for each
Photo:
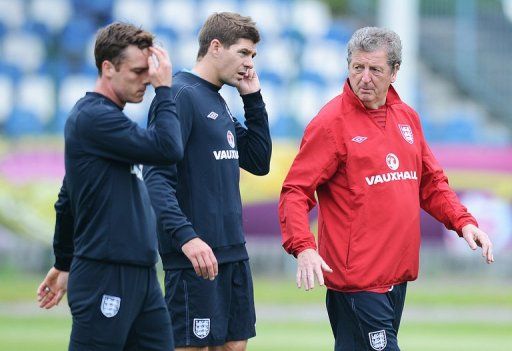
406,131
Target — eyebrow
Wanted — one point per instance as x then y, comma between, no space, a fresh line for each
253,52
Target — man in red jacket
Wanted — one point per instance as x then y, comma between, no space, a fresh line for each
366,158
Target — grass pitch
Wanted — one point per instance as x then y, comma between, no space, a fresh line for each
25,328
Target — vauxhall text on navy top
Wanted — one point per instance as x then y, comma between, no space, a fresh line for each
103,210
200,195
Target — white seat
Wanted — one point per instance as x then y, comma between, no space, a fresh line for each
24,50
36,93
6,97
305,100
185,53
73,88
54,14
272,95
178,15
311,18
276,55
12,14
270,16
137,12
328,58
233,101
210,6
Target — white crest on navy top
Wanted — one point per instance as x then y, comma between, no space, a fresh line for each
213,115
231,139
392,161
406,131
378,340
110,305
201,327
359,139
137,170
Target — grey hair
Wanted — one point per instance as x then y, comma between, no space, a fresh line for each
370,39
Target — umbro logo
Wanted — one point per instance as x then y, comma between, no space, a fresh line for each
359,139
213,115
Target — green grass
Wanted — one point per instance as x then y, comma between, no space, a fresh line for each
51,334
49,330
16,287
34,333
423,293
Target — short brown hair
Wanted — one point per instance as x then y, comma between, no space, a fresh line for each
227,27
112,40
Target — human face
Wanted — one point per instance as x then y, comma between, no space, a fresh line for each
234,62
370,77
131,77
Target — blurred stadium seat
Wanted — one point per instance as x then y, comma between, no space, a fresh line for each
6,97
301,60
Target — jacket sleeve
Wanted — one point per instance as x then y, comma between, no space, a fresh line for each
161,182
110,134
254,143
317,161
64,226
436,196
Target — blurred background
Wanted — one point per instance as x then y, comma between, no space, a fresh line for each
456,73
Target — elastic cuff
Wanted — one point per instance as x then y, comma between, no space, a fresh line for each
303,248
63,263
252,99
183,235
163,92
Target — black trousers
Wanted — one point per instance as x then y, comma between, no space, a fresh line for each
366,320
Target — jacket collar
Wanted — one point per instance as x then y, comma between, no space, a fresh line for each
352,99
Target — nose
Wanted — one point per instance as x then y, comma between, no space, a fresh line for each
366,76
146,79
249,63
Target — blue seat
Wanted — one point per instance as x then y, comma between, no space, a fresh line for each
23,122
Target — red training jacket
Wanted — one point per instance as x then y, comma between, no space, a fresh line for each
371,183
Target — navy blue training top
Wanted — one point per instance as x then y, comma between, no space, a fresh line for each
200,195
103,211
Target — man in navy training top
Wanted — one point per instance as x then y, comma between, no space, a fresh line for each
208,283
105,227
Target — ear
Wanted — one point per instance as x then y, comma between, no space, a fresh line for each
395,72
107,69
215,47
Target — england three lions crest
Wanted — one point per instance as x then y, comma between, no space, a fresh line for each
378,340
406,131
201,327
110,305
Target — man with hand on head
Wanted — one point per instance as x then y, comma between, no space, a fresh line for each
208,283
105,234
365,157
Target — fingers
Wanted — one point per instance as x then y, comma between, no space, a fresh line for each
471,242
250,74
298,278
310,265
51,299
202,258
42,290
160,67
325,267
487,250
319,275
208,267
212,273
